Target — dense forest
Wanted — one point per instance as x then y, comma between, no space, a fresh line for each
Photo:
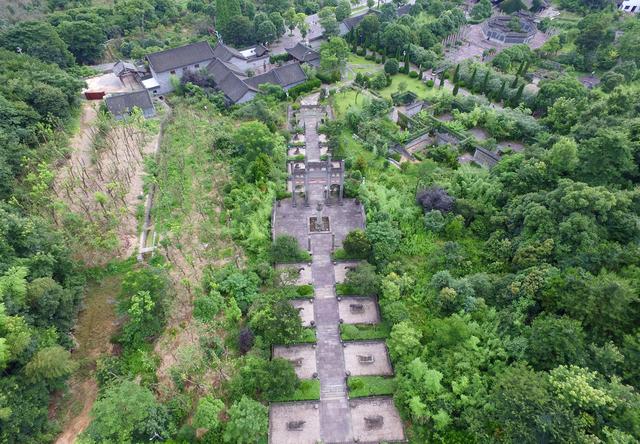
510,297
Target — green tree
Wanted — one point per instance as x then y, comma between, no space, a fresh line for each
356,244
285,248
606,158
207,416
567,87
266,32
343,10
85,40
363,279
404,342
328,21
481,10
248,423
333,55
50,363
225,11
391,66
555,341
124,413
275,320
38,39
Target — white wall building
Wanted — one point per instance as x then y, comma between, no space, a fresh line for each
631,6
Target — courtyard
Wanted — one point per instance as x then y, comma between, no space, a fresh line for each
365,358
302,356
294,423
358,310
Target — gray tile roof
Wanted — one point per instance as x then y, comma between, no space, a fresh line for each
285,76
228,80
353,21
268,77
290,74
182,56
122,103
226,53
120,68
303,53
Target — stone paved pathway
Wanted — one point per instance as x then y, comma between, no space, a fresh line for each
336,417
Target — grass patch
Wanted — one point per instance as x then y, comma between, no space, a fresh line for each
341,255
364,332
343,289
309,390
360,386
304,291
308,336
414,85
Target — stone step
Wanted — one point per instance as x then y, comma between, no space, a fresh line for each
333,392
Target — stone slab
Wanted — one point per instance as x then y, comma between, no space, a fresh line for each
369,315
282,413
391,430
377,349
292,352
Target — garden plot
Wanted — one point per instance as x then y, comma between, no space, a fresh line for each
294,423
479,133
362,358
516,147
300,273
375,420
358,310
305,308
340,269
302,356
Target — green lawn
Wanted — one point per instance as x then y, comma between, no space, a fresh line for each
360,386
309,390
308,335
364,332
414,85
346,99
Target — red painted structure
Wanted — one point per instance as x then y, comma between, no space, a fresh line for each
94,95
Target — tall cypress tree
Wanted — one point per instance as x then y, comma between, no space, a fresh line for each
456,74
225,11
485,82
501,92
518,97
473,78
515,82
442,79
455,89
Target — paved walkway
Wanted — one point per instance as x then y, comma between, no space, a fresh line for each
339,420
335,417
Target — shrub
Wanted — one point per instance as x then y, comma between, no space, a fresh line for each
435,198
391,66
356,244
285,248
304,290
430,83
413,74
363,280
304,88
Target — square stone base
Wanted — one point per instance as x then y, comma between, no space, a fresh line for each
391,429
282,413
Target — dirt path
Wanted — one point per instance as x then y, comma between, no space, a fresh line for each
96,323
87,390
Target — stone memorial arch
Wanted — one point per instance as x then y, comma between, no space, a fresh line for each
327,173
